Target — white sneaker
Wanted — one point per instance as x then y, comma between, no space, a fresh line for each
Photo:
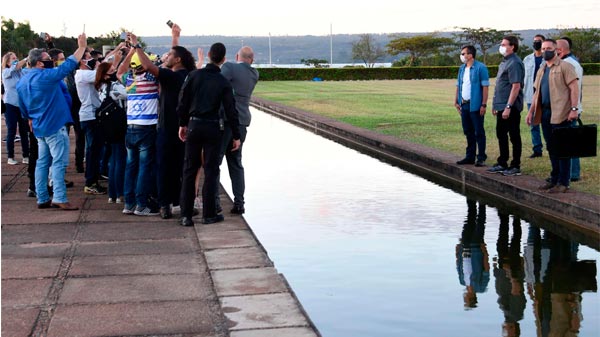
120,200
12,161
26,160
111,200
176,209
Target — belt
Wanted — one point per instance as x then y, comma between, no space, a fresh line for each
466,101
200,119
139,126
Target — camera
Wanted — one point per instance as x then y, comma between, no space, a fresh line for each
170,24
123,35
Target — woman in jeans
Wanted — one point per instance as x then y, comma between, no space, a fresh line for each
11,73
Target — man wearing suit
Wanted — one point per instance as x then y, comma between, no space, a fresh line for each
243,79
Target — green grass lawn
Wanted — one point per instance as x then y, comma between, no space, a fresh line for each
422,111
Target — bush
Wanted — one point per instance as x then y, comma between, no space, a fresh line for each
394,73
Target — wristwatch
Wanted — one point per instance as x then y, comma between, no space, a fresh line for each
508,106
484,105
574,108
137,46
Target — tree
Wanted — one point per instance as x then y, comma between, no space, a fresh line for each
418,46
367,50
317,63
586,43
18,38
482,38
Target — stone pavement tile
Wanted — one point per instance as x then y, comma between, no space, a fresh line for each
35,249
115,289
18,322
232,239
122,231
283,332
54,233
135,264
262,311
100,215
232,223
126,319
30,267
17,195
142,247
18,293
251,281
247,257
26,212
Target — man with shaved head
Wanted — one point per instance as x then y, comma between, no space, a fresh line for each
243,79
563,49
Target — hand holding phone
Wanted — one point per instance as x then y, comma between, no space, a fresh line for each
170,24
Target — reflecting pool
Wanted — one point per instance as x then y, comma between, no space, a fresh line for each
372,250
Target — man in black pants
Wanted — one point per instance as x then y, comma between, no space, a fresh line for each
200,128
508,104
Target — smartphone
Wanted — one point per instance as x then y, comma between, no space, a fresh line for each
170,24
42,35
123,35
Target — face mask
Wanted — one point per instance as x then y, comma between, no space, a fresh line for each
113,77
91,64
463,59
502,50
48,64
537,45
14,62
549,55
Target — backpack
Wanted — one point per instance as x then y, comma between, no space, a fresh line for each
112,119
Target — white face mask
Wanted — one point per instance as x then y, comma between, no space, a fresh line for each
502,50
463,59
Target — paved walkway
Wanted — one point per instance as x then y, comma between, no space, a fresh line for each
98,272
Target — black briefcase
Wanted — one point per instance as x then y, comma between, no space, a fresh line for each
575,141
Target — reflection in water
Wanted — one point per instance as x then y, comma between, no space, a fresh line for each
472,259
371,250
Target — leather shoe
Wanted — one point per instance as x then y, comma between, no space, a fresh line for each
69,183
479,163
535,155
237,210
165,212
46,204
186,222
465,161
215,219
65,206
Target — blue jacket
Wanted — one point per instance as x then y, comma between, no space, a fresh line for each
42,97
478,75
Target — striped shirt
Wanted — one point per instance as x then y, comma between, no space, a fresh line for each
142,98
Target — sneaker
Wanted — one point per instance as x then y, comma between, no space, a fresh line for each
12,161
480,163
31,193
558,189
25,160
145,211
128,209
511,172
17,138
496,169
535,155
120,200
111,201
176,209
94,189
197,203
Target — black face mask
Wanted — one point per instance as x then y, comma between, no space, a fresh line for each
48,64
537,45
91,64
549,55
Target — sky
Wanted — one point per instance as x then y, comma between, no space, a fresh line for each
307,17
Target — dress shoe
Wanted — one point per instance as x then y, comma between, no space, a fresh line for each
466,161
238,210
535,155
31,193
46,204
165,212
480,163
215,219
575,179
69,183
185,221
65,206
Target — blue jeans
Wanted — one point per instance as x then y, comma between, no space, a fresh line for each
472,124
53,151
13,118
561,168
536,136
140,141
116,170
94,141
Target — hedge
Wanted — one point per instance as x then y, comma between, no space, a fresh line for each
361,74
